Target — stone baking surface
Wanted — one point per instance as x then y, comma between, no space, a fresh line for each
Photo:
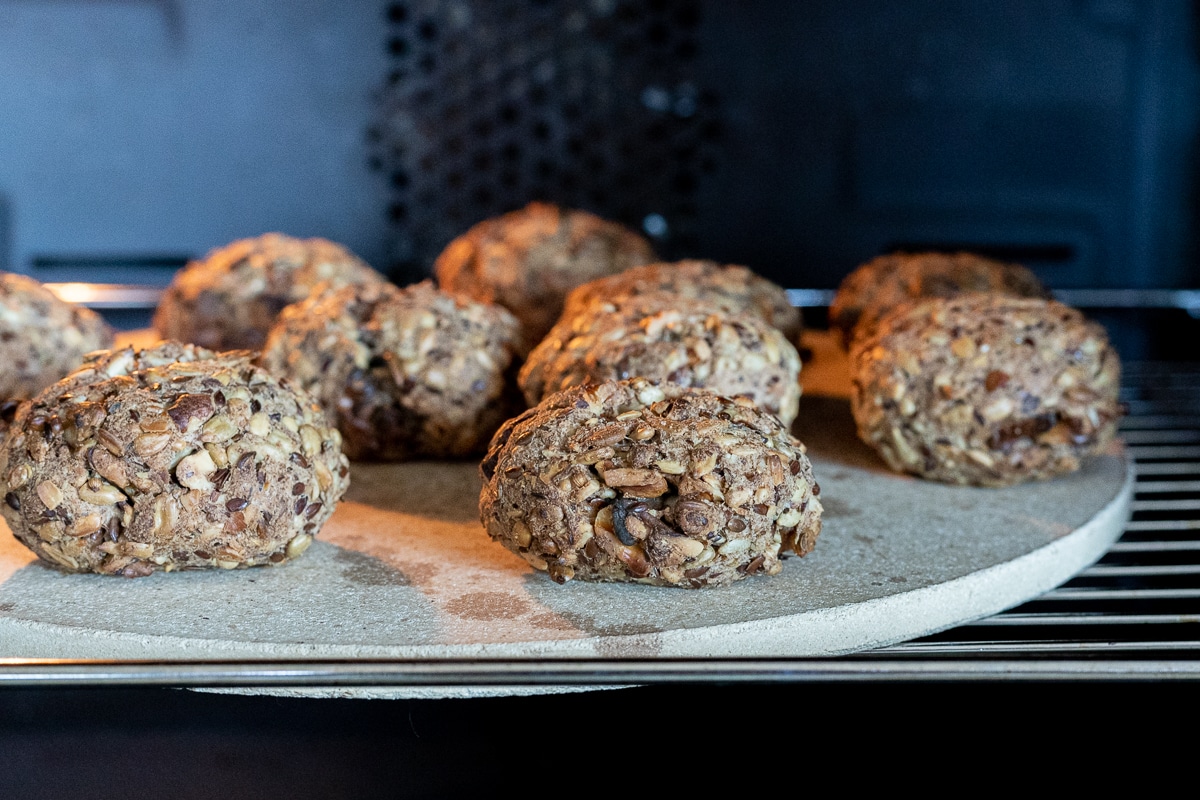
404,570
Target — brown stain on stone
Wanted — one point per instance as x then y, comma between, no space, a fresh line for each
552,622
421,573
365,570
488,606
590,625
7,607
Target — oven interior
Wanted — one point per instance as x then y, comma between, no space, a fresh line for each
798,138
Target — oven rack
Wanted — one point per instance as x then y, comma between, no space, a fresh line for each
1134,616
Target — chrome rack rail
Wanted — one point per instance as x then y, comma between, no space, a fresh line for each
102,296
1186,299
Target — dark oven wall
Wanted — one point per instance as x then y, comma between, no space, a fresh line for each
138,133
799,138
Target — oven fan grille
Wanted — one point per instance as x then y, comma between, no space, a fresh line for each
591,104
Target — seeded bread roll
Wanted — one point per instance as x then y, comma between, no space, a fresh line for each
229,300
733,287
632,481
169,458
985,390
42,338
663,337
879,285
405,373
528,260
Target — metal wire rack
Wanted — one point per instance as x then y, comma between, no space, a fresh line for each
1133,616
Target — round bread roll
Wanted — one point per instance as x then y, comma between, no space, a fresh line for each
405,373
527,260
229,300
42,338
663,337
732,287
890,280
169,458
985,390
633,481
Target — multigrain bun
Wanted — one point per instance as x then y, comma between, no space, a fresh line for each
733,287
632,481
404,373
890,280
229,300
42,338
667,338
169,458
528,260
985,390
